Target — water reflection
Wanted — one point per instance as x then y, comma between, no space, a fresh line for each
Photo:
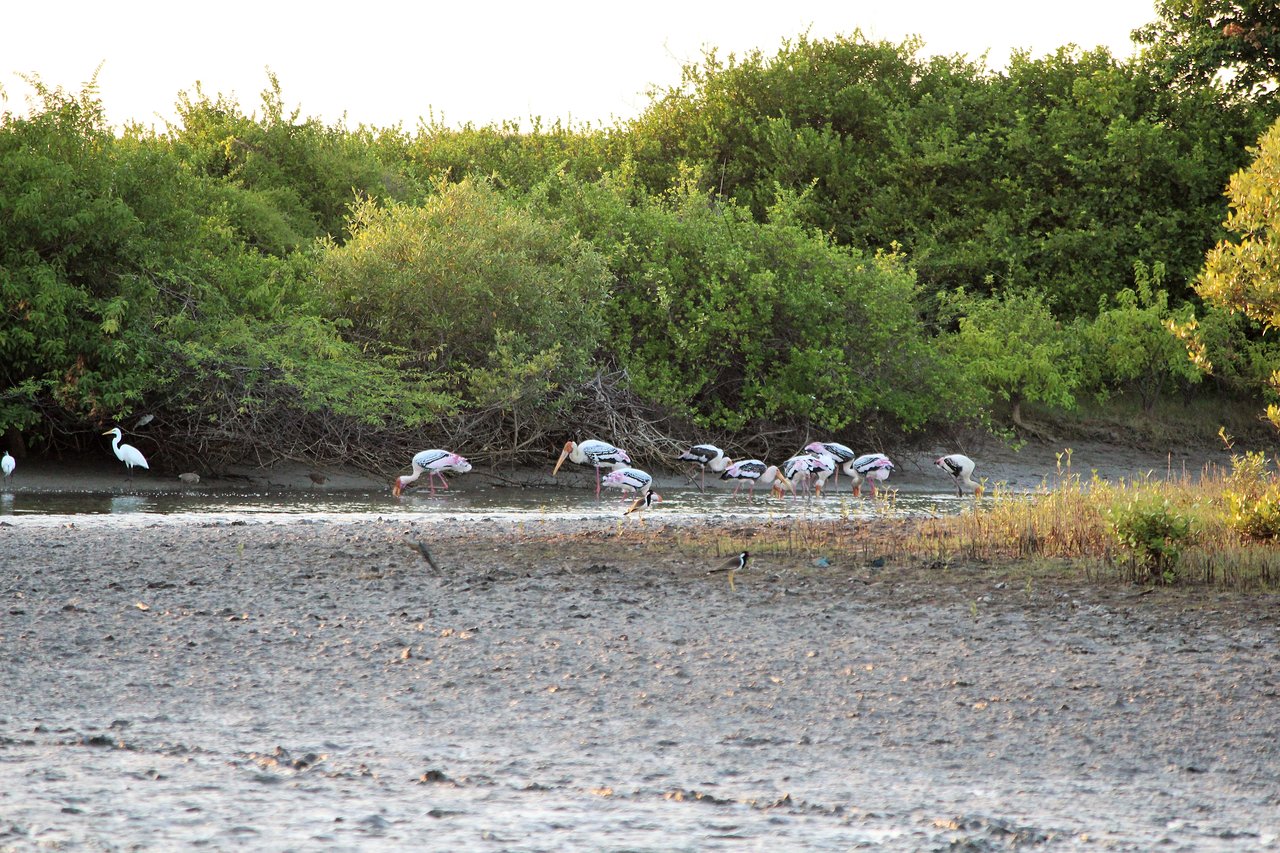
487,502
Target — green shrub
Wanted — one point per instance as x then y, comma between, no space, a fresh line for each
1254,516
481,292
1153,531
1252,498
732,323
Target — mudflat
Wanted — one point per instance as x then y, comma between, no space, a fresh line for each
585,685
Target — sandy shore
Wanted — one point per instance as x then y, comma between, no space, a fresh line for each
299,685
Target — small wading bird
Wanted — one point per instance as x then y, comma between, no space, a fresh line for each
709,458
961,468
7,464
633,480
871,468
598,454
753,471
126,453
815,467
642,503
433,463
733,566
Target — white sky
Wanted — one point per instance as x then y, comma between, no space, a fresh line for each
382,63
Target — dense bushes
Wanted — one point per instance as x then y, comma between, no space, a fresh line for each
1056,174
842,238
733,323
502,309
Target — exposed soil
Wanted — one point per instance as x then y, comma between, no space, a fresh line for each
580,686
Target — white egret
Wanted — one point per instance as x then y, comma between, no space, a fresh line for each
126,453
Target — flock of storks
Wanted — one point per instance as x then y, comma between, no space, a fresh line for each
809,469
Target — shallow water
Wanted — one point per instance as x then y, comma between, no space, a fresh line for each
468,502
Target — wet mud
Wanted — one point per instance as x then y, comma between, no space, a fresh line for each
291,685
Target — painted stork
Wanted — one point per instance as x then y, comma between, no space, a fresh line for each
753,471
7,464
818,466
433,463
841,453
126,453
960,467
629,479
598,454
870,468
709,458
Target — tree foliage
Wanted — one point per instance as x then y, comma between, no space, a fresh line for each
1056,174
844,236
284,180
1244,276
1129,346
74,266
1011,348
496,302
1234,43
734,323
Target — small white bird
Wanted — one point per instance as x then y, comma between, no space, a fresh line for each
598,454
433,463
733,566
7,464
753,471
960,467
126,453
709,458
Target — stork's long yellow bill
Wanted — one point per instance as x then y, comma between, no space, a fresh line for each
564,454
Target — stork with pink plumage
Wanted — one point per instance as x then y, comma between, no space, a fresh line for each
753,472
633,480
434,463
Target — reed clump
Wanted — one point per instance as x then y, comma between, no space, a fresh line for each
1220,527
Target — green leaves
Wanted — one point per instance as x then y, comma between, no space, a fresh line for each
468,283
1153,531
730,322
1244,276
1011,347
1231,43
1129,345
